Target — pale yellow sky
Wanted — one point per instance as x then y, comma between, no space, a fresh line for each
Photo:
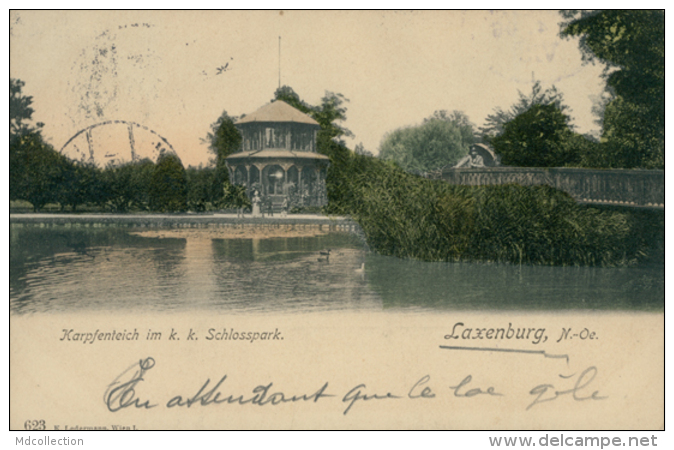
159,69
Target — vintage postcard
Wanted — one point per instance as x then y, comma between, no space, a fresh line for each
448,220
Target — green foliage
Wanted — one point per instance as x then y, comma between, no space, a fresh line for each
331,111
168,185
20,110
588,149
200,187
34,166
539,225
408,216
38,173
411,217
629,139
361,150
538,137
80,184
36,170
288,95
223,140
632,46
494,122
328,114
234,197
441,140
537,132
127,185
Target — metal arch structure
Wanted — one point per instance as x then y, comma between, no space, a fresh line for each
130,125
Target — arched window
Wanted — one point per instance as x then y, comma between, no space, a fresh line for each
241,175
293,175
309,178
274,177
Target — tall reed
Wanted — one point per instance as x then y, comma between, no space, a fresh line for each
412,217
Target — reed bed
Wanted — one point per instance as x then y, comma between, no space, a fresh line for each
408,216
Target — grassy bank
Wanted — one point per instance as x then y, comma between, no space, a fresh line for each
411,217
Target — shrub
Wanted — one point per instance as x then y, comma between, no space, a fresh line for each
168,185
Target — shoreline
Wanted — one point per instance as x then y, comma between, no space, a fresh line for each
197,226
231,233
210,217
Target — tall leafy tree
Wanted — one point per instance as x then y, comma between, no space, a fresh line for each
288,95
629,138
537,131
223,140
493,124
20,110
631,45
36,170
25,140
80,183
330,115
168,185
200,182
442,139
127,186
538,137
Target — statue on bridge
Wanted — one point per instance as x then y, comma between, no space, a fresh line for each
479,156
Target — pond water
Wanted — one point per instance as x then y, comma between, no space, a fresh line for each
60,268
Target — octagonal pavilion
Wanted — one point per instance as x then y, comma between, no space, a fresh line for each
278,157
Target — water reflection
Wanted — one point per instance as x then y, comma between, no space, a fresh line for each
64,268
289,272
471,286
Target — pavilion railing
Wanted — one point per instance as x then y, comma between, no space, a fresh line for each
629,187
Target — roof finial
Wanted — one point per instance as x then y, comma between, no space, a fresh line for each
279,62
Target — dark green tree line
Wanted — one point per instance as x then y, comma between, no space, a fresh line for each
40,175
631,44
126,186
36,170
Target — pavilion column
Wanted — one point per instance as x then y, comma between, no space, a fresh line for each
285,168
259,176
300,188
285,180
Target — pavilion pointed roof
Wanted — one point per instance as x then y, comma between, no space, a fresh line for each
277,111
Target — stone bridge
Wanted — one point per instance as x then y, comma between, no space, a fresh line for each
626,187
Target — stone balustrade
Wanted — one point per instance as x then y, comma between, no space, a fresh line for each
627,187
